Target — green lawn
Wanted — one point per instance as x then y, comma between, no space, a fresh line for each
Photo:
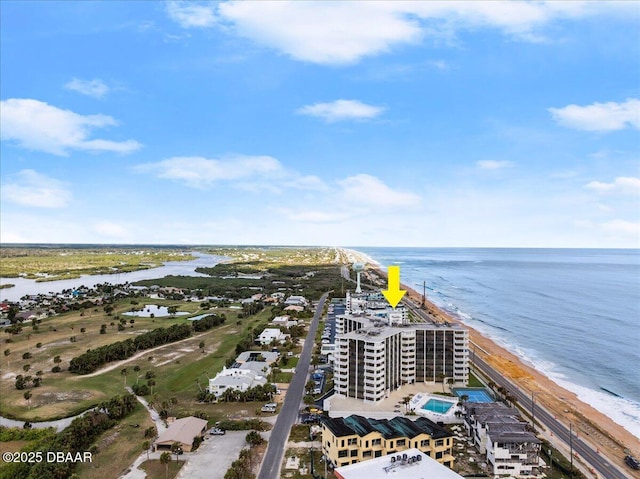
474,382
157,470
283,377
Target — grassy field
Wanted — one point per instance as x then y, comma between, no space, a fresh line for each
62,394
46,264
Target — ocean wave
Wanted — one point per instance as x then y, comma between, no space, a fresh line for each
621,410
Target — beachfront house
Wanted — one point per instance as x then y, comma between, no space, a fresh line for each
499,433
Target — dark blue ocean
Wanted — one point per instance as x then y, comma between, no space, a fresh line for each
574,314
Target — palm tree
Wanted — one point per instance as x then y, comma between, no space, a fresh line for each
176,448
136,369
165,458
27,396
405,401
124,374
450,382
145,447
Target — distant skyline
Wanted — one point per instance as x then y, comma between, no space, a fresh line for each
436,124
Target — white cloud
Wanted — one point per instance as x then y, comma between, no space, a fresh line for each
30,188
339,33
36,125
95,88
110,229
493,164
341,110
189,14
249,173
314,216
200,172
310,182
624,227
621,185
321,32
609,116
369,190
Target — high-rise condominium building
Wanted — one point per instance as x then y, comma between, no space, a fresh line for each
373,358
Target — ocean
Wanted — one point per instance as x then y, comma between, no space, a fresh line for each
573,314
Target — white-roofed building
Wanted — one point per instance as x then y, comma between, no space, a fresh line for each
270,335
294,300
410,464
247,376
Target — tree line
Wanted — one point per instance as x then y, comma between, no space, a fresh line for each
95,358
257,393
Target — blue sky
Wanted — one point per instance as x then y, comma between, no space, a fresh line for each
506,124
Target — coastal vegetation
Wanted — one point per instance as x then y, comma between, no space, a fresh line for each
310,282
54,263
261,257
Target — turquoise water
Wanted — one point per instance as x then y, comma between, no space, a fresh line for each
474,395
435,405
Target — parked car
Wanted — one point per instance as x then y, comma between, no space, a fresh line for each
216,431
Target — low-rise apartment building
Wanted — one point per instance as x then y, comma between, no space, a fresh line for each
498,432
355,438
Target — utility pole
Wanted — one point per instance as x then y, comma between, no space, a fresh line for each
533,410
571,447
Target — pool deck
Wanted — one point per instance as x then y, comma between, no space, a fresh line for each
343,407
448,417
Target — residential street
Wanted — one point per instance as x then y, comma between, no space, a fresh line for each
272,461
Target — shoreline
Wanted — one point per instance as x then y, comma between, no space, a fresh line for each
599,429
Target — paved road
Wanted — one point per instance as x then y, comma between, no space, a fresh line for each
272,461
599,463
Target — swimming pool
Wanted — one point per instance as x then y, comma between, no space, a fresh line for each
436,405
474,394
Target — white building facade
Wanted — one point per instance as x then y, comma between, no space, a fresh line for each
371,359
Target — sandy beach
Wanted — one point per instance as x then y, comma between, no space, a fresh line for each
610,438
